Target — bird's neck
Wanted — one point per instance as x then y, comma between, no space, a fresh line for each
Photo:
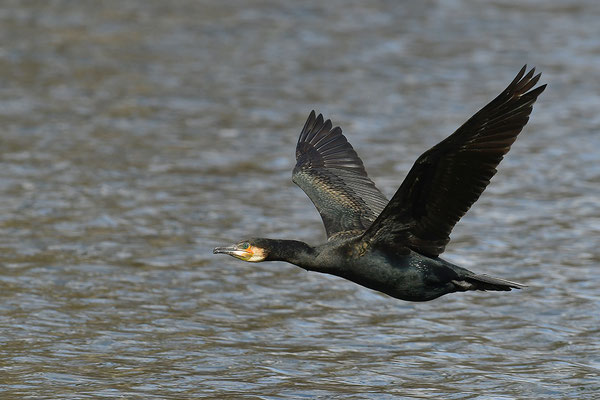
293,251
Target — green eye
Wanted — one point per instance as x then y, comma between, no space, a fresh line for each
244,245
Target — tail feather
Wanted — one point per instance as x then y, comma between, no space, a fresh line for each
486,282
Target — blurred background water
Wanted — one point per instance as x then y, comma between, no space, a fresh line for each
136,136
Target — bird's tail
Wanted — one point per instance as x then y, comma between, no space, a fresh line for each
486,282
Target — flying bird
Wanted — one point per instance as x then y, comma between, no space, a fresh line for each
394,246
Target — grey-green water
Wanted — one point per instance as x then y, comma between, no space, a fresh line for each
136,136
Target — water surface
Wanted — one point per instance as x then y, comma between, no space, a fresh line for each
137,136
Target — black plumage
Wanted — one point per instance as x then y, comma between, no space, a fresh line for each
394,246
334,178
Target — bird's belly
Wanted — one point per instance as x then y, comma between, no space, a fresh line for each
411,278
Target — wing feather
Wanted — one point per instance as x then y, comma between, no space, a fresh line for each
447,179
334,178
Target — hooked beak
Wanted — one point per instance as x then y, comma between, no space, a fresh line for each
232,251
244,251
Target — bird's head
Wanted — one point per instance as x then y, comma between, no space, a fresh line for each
252,250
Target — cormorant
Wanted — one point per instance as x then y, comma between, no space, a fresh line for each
394,246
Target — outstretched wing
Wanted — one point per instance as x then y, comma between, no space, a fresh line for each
447,179
334,178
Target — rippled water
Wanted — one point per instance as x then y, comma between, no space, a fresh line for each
137,136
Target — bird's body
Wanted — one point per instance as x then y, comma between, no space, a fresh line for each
397,271
394,246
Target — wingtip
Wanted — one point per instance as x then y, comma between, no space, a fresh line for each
517,78
314,116
529,74
320,118
534,81
540,89
524,81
